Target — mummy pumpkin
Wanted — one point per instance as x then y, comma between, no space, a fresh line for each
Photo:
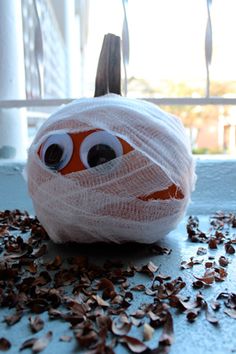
110,169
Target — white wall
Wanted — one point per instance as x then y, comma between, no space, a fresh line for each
13,123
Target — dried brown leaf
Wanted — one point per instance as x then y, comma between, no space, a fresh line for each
220,274
36,323
212,243
43,279
152,267
100,301
117,299
192,314
215,305
223,261
138,314
120,327
135,321
86,340
108,288
198,284
4,231
139,287
80,309
55,264
38,305
11,320
55,314
105,283
181,303
42,343
191,263
147,331
229,248
206,279
210,316
167,336
104,324
201,251
32,268
65,338
28,343
124,285
134,344
209,264
149,269
154,317
231,313
5,344
150,292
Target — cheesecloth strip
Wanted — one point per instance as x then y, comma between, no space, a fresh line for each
102,203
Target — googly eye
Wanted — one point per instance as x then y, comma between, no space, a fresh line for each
56,151
98,148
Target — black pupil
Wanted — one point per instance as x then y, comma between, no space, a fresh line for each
53,155
100,154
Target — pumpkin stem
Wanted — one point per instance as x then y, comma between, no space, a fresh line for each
108,77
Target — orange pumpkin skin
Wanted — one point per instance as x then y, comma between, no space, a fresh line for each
75,164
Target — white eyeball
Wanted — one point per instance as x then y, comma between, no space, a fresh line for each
56,151
98,148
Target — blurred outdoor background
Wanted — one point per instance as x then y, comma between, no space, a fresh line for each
182,56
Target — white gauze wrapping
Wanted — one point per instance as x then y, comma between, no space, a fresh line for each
101,203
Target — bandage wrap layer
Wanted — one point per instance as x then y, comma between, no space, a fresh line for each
102,203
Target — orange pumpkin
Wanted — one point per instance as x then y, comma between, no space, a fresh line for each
110,168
